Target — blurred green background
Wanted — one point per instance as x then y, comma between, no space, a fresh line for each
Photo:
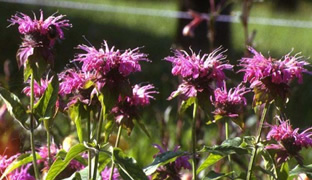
157,35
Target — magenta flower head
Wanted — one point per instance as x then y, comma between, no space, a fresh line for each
105,174
79,86
172,170
20,173
229,103
39,89
108,61
289,140
198,73
128,107
39,35
269,77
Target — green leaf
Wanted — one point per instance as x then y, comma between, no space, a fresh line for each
162,159
127,166
212,175
20,161
104,159
301,169
186,104
44,109
27,71
229,146
269,163
59,165
14,105
76,114
283,171
142,127
211,159
81,175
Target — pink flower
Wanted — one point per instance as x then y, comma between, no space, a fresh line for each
52,25
198,72
185,90
280,71
141,95
105,59
38,34
290,141
172,170
105,174
39,89
128,107
5,161
229,103
270,78
22,173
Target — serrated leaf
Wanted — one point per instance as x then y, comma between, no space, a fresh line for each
59,165
186,104
301,169
162,159
44,109
14,105
127,166
212,175
76,114
20,161
210,160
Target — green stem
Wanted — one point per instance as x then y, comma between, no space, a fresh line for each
89,150
116,145
194,141
227,137
254,152
49,147
32,140
98,138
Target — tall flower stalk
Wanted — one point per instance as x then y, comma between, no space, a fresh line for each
32,126
258,137
194,163
116,145
98,139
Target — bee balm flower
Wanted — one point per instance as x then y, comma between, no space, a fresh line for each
38,34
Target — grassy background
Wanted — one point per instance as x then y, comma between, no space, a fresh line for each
157,35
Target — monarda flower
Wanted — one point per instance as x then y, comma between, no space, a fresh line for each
105,174
289,141
39,35
39,89
108,61
171,170
270,78
128,107
198,73
80,86
229,103
20,173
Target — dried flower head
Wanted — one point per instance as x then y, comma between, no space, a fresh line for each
39,35
229,103
290,141
198,73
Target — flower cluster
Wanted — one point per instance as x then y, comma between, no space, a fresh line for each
290,141
198,73
271,77
38,34
229,103
172,170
